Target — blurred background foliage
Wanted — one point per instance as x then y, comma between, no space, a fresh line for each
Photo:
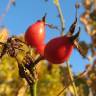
52,78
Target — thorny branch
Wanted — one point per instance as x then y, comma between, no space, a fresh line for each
27,67
28,71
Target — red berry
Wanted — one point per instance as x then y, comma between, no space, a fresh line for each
58,50
40,49
35,34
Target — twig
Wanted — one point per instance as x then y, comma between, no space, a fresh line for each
83,74
61,16
72,79
67,86
7,9
52,26
33,89
38,60
31,80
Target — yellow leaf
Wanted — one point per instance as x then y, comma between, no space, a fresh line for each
3,34
56,2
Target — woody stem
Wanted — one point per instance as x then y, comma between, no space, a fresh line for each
72,79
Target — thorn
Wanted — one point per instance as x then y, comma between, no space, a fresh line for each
73,38
72,28
44,17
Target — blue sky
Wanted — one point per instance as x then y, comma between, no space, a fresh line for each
27,12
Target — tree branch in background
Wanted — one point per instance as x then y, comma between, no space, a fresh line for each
81,75
56,2
11,2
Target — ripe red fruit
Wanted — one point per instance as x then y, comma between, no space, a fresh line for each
35,34
59,49
40,49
